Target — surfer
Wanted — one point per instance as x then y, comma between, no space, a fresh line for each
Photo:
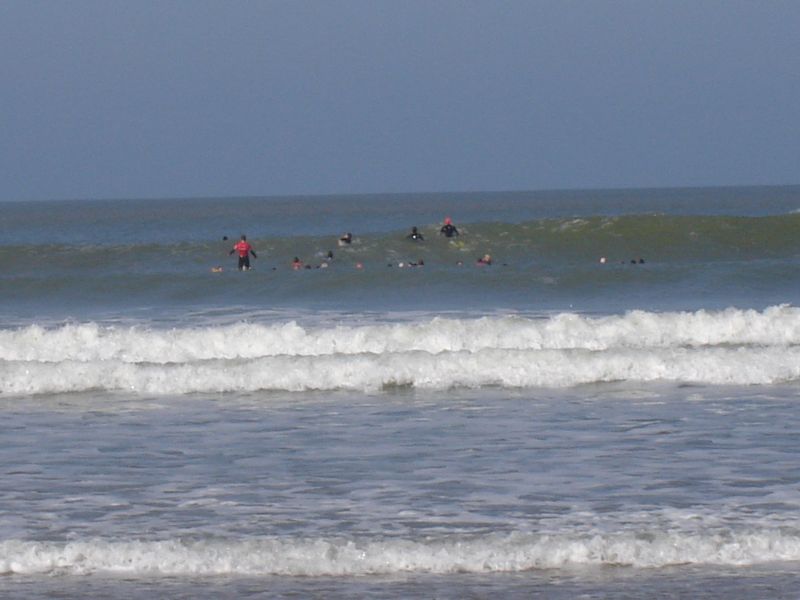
297,264
448,229
244,249
415,235
346,239
486,260
327,259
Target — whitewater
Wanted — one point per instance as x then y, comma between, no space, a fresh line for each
332,557
726,347
552,425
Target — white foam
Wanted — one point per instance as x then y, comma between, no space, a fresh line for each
370,372
725,347
319,557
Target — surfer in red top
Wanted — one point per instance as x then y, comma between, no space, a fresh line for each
244,249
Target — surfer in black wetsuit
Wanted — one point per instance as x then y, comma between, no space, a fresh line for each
448,229
415,235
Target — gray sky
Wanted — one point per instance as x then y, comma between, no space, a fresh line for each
123,99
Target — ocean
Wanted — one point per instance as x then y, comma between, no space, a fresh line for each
608,409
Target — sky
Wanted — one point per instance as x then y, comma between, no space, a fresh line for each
199,98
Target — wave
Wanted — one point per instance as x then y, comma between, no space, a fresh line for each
324,557
731,346
658,237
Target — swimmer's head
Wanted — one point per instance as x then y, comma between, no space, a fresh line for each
448,221
244,237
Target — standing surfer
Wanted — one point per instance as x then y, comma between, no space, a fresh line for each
448,229
244,249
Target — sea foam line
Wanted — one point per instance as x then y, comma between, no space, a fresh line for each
324,557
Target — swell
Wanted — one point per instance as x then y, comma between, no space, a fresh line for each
655,237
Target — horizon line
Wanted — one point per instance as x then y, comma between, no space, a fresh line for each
296,195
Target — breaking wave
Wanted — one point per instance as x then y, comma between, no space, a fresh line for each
714,347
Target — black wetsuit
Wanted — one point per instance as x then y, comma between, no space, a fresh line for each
449,230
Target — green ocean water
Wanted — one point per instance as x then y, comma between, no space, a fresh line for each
690,249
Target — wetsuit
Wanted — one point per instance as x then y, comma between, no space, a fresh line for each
449,230
244,249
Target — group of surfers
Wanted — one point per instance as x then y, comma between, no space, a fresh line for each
245,250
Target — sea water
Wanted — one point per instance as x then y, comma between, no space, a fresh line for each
608,409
